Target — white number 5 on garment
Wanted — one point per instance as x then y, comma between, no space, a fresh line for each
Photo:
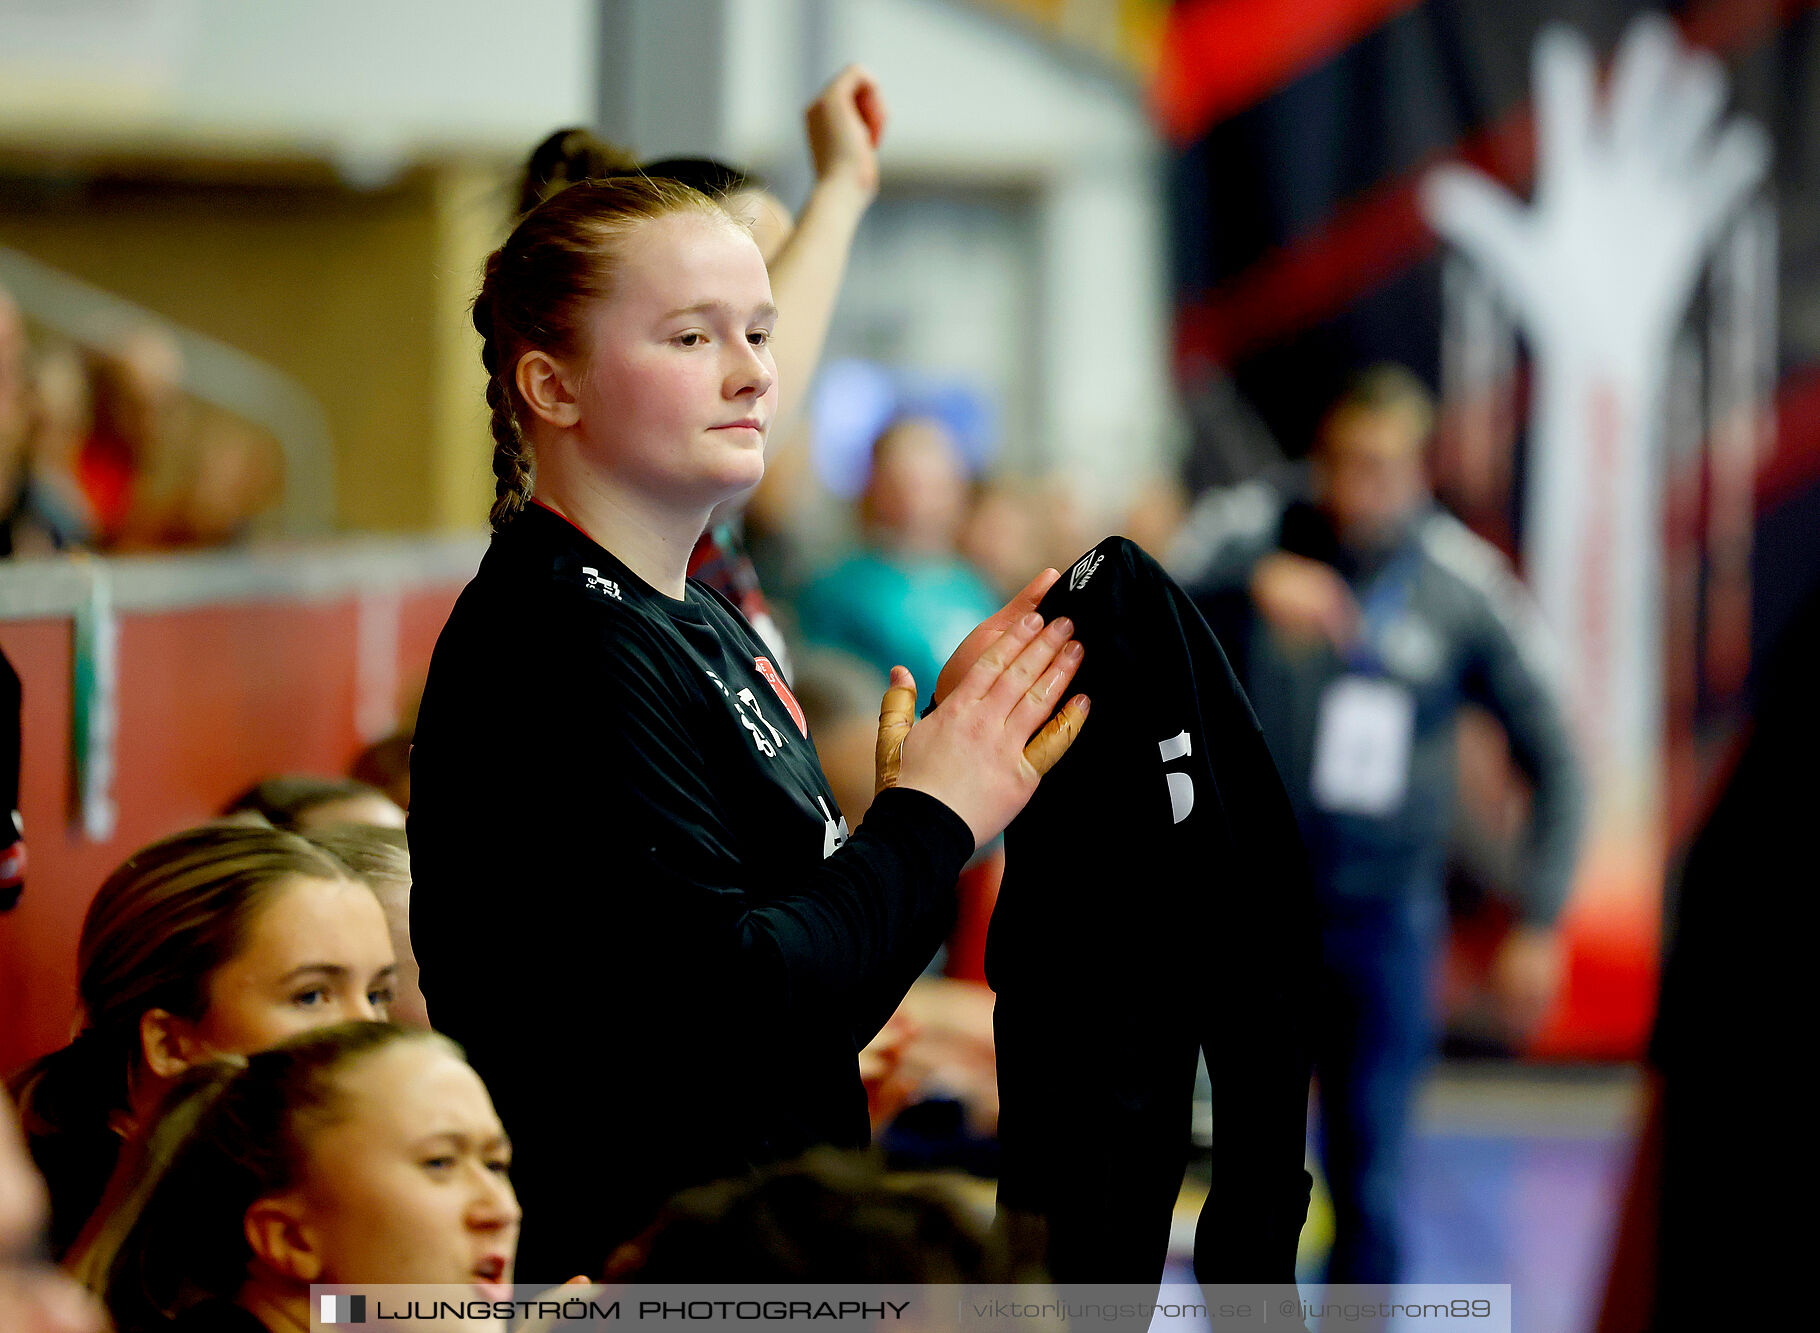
1361,746
1181,786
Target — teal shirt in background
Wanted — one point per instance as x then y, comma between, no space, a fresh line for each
896,610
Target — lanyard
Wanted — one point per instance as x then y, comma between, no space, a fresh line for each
1381,605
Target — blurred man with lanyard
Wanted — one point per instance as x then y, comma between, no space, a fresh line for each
1360,620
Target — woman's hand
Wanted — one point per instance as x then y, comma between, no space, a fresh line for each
845,125
980,752
989,629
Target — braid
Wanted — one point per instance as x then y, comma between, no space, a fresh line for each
511,456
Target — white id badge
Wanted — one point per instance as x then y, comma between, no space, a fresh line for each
1361,746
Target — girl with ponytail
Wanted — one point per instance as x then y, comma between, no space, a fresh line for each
630,872
222,939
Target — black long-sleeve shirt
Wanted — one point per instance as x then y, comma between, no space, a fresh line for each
635,902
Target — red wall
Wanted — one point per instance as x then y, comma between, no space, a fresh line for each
210,699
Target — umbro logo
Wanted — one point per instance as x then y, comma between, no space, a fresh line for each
599,584
1078,576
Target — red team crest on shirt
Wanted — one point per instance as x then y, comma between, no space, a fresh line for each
776,678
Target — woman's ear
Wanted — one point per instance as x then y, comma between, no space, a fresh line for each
543,383
281,1239
169,1044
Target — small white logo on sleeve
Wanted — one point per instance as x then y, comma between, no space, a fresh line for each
599,584
1078,576
834,831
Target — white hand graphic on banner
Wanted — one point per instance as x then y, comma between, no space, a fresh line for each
1630,195
1633,190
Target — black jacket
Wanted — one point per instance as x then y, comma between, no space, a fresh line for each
1156,900
634,900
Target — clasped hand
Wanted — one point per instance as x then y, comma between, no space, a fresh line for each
991,736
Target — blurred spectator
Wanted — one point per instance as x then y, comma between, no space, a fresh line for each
1360,620
303,801
41,509
1155,513
1002,534
1014,525
34,1296
206,486
905,598
1072,522
62,423
825,1217
380,858
137,404
216,940
159,469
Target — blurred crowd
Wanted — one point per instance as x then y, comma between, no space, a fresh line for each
101,448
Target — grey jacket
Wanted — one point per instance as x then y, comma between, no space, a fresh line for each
1446,623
